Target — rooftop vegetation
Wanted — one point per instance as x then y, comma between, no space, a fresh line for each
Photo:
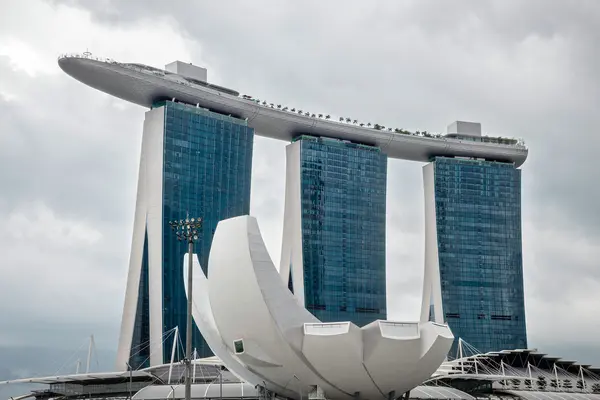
379,127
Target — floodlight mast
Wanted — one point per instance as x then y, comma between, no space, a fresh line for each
187,230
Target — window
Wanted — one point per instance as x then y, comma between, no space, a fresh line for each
238,346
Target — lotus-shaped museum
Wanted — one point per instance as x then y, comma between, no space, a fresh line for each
262,334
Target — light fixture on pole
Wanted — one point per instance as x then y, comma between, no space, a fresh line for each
187,231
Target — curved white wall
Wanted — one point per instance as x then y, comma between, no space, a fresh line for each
432,290
148,218
286,349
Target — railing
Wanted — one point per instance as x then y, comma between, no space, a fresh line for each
74,389
87,56
512,142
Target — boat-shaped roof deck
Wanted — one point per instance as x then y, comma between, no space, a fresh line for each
145,85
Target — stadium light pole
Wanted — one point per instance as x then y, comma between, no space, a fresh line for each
187,231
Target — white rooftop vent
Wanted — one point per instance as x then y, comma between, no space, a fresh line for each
188,70
464,128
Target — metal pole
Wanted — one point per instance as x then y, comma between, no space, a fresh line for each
221,383
299,386
188,335
582,378
130,377
89,357
187,230
173,348
460,350
130,380
194,369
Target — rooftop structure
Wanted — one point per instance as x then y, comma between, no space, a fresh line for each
188,70
121,384
462,128
145,85
145,385
526,373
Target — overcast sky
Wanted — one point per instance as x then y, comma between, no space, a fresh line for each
69,154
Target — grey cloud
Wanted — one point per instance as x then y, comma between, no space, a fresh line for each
57,153
55,149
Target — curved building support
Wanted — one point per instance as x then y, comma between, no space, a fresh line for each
147,226
292,264
154,125
431,305
134,273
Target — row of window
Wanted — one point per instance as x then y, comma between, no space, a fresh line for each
478,217
209,177
342,189
343,308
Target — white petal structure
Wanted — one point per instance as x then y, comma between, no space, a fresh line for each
255,325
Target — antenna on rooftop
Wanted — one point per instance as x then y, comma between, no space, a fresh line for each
87,53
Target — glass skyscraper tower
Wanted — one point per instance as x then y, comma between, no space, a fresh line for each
473,265
333,252
193,161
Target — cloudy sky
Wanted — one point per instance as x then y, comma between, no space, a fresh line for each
69,154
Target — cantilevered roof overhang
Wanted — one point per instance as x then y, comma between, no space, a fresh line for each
87,377
144,86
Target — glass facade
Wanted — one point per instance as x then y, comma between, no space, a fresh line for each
140,351
478,216
343,195
207,164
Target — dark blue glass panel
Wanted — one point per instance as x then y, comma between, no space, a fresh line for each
478,216
140,343
343,230
291,282
207,170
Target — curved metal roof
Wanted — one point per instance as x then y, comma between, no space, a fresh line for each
78,378
535,395
245,390
145,85
202,391
439,392
518,358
